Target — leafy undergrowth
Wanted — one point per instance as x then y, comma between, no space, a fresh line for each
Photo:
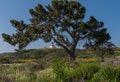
45,66
60,70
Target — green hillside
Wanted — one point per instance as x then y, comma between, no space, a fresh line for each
48,53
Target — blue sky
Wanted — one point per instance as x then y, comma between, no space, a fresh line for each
107,11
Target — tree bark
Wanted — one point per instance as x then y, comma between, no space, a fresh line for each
72,56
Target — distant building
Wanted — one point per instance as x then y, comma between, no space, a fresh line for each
51,46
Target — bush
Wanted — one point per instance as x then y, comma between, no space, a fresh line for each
60,68
85,71
4,60
45,76
117,75
107,74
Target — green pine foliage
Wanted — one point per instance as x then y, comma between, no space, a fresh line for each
63,22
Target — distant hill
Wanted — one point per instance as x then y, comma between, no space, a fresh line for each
39,53
46,52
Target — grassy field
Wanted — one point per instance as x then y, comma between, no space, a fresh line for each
52,65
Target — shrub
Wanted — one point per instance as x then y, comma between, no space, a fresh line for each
85,71
107,74
45,76
117,75
60,68
4,60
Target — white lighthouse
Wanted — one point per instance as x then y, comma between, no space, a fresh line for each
52,46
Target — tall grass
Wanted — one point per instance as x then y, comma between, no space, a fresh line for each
60,70
107,74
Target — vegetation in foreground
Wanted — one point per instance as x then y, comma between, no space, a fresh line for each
56,68
59,71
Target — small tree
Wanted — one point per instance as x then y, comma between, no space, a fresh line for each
106,48
98,39
62,22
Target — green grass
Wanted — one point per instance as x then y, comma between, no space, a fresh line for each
59,72
52,65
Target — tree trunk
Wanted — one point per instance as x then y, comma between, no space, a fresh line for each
71,53
72,57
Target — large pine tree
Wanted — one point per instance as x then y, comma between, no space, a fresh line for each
63,22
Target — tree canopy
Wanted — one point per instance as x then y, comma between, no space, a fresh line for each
62,22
